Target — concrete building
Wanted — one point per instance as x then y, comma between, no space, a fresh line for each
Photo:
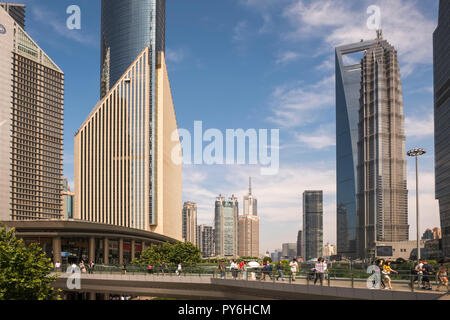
248,242
441,46
31,126
205,240
190,222
382,197
329,250
125,173
312,224
399,249
67,200
142,24
16,11
226,224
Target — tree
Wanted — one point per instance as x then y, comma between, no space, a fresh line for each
184,252
24,270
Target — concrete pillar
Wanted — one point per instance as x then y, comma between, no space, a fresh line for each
133,250
143,247
56,246
120,251
92,296
106,251
91,249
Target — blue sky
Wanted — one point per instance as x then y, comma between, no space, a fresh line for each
260,64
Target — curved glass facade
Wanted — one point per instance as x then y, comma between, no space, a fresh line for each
127,28
348,86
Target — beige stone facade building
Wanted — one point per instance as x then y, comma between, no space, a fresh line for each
190,222
128,168
31,126
249,227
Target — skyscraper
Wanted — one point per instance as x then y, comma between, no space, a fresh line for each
348,87
16,11
31,126
249,227
205,240
312,224
127,27
299,244
441,45
124,171
382,197
226,223
190,222
67,200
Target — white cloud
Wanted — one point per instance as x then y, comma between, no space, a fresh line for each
240,31
175,55
287,57
301,104
336,22
321,138
420,126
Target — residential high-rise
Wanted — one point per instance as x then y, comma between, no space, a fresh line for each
190,222
289,250
205,240
312,224
127,27
329,250
67,200
16,11
31,127
441,45
226,223
248,243
382,197
299,244
125,173
348,87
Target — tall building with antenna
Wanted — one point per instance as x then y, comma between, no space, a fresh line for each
249,226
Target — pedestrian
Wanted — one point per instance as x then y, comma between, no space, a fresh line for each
124,268
280,271
150,268
441,277
294,268
82,267
319,271
233,269
387,272
427,274
91,266
419,273
244,271
380,265
222,270
241,266
57,266
163,267
179,269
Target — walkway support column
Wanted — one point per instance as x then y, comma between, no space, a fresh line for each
106,251
56,245
91,249
121,251
133,250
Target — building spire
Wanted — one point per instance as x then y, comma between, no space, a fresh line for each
379,34
250,186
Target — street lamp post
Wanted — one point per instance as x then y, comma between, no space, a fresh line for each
416,153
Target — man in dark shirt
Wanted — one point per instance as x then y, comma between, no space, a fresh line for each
427,274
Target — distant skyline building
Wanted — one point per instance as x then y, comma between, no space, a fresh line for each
226,224
312,224
127,28
124,173
329,250
348,88
434,234
68,200
205,240
382,196
300,244
289,250
248,242
31,126
16,11
441,52
190,222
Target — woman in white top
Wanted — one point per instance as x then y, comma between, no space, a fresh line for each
294,268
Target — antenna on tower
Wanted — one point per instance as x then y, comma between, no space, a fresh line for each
250,185
379,34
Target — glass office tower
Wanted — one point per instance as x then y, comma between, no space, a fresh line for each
441,43
127,28
226,226
348,86
312,224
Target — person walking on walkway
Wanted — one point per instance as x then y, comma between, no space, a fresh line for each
380,266
179,269
441,277
427,275
294,268
280,271
222,270
319,271
163,268
387,272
